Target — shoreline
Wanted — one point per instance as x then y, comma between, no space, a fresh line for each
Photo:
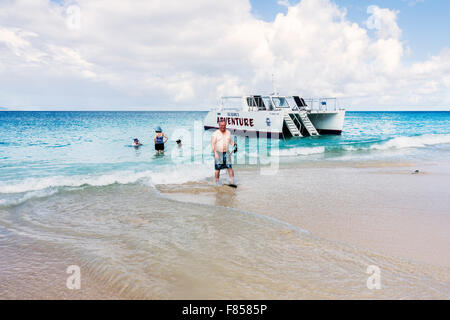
345,233
398,218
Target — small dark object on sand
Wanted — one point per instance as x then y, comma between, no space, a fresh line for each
416,172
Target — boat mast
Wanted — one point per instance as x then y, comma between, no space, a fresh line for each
274,92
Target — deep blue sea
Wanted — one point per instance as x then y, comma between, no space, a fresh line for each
46,150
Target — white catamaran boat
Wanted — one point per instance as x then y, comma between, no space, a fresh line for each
278,116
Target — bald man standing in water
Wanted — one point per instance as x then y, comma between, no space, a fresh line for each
220,143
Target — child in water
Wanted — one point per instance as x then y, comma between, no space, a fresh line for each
160,139
137,143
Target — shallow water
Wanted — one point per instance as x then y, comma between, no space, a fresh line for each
43,151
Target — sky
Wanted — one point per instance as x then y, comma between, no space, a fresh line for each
184,55
425,24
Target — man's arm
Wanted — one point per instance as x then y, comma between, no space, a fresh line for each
231,140
213,145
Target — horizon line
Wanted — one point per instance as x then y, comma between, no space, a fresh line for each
368,109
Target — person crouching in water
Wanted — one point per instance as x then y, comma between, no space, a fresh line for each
136,143
220,142
160,139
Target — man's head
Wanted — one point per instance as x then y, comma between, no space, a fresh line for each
222,125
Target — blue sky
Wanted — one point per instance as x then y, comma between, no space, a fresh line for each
425,24
171,54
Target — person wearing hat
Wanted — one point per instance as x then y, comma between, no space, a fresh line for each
160,139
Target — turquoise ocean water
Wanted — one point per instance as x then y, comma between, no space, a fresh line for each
73,188
42,151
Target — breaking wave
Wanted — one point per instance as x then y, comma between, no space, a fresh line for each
413,142
404,142
17,192
401,142
299,151
27,196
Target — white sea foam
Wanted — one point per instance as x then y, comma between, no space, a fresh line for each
298,151
177,174
404,142
413,142
182,173
27,196
351,148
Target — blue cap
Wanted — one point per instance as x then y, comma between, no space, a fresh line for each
158,129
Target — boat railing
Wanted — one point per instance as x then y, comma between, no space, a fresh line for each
322,104
257,103
230,103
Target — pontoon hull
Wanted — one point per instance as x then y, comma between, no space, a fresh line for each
329,122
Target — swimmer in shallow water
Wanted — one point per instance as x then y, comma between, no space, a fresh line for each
160,139
137,143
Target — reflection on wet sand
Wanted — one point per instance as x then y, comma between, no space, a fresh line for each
207,194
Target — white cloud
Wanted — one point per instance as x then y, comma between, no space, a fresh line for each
17,41
284,3
384,21
113,53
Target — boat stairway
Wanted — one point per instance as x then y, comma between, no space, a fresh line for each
307,123
291,126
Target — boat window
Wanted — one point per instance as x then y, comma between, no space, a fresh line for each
251,102
292,103
300,102
280,102
268,103
260,103
303,102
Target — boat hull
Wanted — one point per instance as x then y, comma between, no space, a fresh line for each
270,123
328,122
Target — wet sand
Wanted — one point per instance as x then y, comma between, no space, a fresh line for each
29,271
379,206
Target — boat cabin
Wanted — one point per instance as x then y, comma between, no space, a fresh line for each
276,103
